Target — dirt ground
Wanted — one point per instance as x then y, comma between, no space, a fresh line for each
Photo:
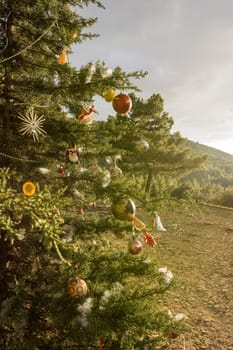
198,248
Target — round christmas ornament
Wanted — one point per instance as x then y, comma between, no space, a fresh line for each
135,247
61,170
122,103
77,288
142,146
109,95
29,188
125,209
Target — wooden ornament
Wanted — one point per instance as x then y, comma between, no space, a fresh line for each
77,288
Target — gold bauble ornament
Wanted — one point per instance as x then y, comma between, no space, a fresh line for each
77,288
109,95
125,209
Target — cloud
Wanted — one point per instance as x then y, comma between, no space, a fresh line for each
186,47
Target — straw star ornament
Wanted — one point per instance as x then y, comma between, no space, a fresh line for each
32,124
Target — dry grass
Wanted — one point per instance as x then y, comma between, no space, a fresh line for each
198,248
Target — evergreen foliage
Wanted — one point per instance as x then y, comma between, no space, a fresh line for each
66,229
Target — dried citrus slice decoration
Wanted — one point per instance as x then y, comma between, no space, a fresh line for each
29,188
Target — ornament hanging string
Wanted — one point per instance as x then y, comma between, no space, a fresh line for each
30,45
184,345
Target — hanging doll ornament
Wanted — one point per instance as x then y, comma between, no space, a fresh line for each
122,103
86,111
125,209
115,170
72,154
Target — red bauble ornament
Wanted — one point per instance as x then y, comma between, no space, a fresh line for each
135,247
61,170
122,104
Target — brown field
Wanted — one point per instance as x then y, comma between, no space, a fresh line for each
198,248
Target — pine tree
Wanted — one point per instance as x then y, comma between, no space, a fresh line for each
69,280
151,152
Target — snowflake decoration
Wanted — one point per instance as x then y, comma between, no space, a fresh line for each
32,124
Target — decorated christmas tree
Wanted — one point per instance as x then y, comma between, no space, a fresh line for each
78,266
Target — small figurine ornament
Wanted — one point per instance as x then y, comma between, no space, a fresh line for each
72,154
157,222
86,113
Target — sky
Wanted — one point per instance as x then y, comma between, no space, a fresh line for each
186,46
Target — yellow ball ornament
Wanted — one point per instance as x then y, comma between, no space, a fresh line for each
125,209
77,288
109,95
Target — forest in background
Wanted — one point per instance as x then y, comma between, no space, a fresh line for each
214,182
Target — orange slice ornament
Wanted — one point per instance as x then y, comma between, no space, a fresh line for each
28,188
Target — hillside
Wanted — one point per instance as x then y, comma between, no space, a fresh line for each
213,182
214,155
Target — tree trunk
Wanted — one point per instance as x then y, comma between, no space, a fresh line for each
5,249
149,181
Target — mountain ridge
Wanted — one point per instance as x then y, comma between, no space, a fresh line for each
213,154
